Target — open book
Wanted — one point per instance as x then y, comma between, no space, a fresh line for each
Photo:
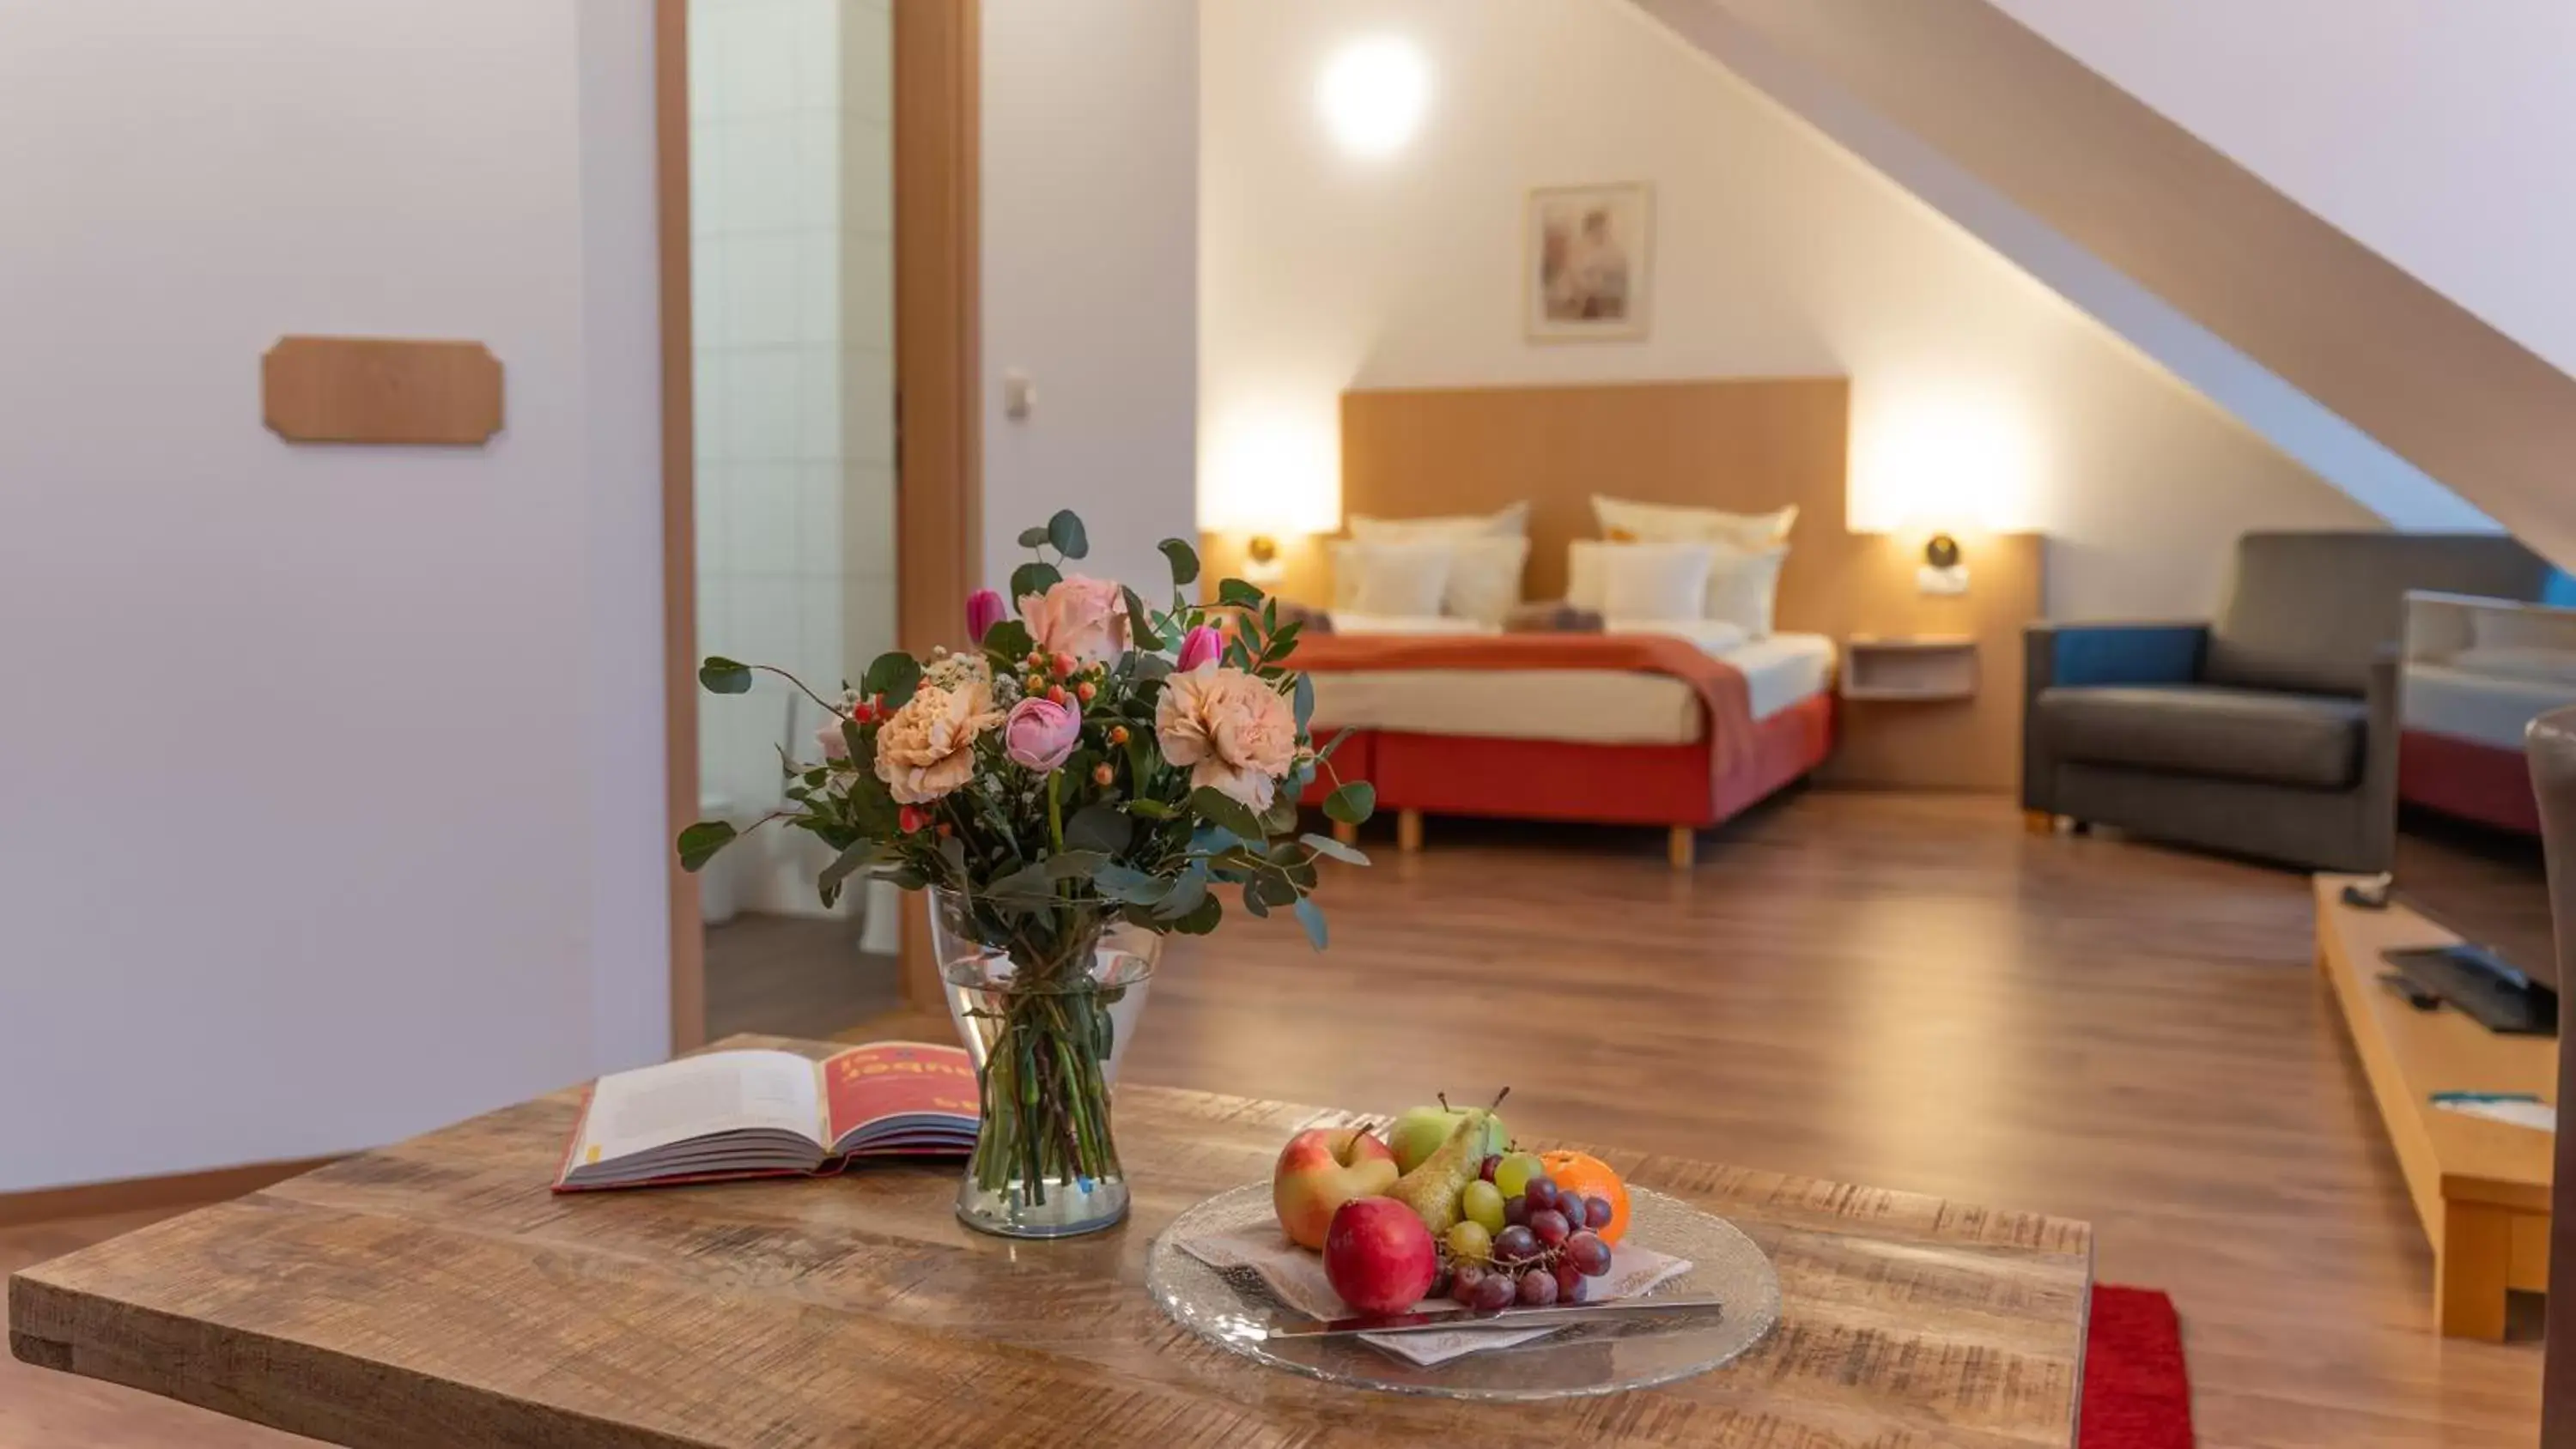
768,1114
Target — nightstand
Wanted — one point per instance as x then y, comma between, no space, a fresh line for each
1918,667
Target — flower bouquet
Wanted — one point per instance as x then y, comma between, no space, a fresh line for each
1074,786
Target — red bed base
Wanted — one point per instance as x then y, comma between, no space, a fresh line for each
2485,783
1591,784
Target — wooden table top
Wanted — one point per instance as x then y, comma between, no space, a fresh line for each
435,1293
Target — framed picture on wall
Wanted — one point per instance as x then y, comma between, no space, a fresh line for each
1590,262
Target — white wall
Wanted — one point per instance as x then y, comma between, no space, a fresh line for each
1090,202
332,779
2435,132
1975,389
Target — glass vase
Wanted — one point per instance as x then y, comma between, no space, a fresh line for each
1046,1002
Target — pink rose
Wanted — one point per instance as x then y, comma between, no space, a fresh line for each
1084,618
1200,646
1040,733
984,609
1233,730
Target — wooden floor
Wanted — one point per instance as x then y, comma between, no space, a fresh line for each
793,976
1904,991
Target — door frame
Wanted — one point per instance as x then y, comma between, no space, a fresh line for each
938,419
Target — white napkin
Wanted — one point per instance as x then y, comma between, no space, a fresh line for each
1297,1276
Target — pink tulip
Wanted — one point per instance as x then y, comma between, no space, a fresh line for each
1039,732
1199,646
984,609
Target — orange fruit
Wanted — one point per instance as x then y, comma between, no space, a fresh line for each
1581,1172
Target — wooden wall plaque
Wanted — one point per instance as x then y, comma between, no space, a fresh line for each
380,390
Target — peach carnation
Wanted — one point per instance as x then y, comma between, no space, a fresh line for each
927,748
1231,729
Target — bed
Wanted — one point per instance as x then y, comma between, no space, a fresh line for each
1624,727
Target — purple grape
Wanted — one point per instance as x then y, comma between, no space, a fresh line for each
1538,1288
1550,1227
1516,1211
1492,1161
1440,1282
1464,1280
1494,1290
1514,1245
1596,1212
1569,1284
1541,1193
1588,1254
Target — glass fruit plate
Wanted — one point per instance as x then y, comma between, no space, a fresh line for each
1600,1358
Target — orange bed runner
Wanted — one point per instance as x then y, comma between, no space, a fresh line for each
1719,685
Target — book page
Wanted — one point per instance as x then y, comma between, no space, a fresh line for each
897,1078
700,1096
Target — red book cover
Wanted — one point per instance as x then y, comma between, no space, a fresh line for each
900,1096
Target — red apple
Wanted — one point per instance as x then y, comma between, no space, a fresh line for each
1379,1256
1322,1168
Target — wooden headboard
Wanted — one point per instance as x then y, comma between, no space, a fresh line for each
1748,446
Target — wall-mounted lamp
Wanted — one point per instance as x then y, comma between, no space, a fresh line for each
1373,94
1261,560
1945,570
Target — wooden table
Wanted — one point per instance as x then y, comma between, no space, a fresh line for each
434,1293
2481,1188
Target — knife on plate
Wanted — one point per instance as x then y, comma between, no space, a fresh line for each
1563,1315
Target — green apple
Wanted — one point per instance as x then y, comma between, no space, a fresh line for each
1418,1133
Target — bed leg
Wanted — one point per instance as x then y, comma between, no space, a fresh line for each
1682,847
1408,831
1346,833
2039,822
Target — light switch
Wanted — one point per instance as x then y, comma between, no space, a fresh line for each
1019,395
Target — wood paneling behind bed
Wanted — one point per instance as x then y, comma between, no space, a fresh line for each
1746,445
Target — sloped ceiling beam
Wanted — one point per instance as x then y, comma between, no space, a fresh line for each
2191,231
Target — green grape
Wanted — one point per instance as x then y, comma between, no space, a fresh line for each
1514,1176
1483,1202
1470,1243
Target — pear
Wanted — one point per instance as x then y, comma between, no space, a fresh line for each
1431,1189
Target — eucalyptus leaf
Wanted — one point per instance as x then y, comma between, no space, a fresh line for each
1066,533
1033,537
1026,889
1281,817
1189,890
1073,864
1239,593
1271,890
1253,903
1102,827
1283,643
1201,919
1151,667
1125,883
872,807
1226,813
724,676
1009,641
700,842
1034,578
895,675
1311,916
1302,697
1325,845
1184,560
1352,803
1140,621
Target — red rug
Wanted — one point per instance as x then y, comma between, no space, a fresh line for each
2137,1395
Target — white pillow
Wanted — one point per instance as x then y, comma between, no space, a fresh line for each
1403,579
1512,522
1744,586
1587,572
1657,581
1348,623
1484,577
1625,522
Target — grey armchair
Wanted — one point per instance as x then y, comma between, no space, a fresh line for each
2270,732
